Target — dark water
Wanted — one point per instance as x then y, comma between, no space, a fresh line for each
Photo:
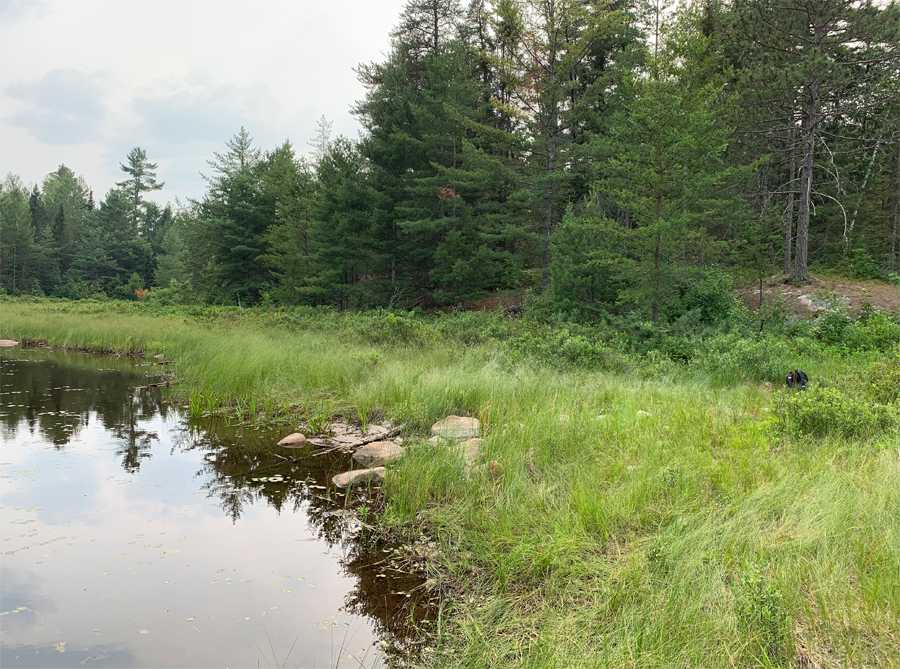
134,536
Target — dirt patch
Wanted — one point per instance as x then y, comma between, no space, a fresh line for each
505,302
824,294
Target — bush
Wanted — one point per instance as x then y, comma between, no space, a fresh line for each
881,381
563,349
871,331
733,358
822,412
878,332
761,614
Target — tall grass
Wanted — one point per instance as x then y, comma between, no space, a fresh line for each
664,515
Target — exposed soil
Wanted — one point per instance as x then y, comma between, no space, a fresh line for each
823,294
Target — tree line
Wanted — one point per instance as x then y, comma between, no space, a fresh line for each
612,157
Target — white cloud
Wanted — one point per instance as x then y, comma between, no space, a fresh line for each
84,82
62,107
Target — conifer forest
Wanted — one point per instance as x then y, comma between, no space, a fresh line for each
608,159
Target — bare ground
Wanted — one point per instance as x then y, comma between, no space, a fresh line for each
824,294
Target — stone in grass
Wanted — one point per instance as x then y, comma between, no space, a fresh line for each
8,343
295,440
470,450
360,476
456,427
378,454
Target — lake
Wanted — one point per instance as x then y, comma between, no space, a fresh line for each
136,535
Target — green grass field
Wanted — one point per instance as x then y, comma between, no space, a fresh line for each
649,511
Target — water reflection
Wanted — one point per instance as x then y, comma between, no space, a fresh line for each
134,536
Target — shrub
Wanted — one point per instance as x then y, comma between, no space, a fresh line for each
877,332
564,349
881,381
733,358
761,614
821,412
832,326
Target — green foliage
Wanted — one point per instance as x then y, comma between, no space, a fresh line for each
761,612
837,412
871,331
563,349
863,265
732,358
881,381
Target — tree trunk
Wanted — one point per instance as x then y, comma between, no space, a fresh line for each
810,115
789,214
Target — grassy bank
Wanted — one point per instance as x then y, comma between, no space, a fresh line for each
653,506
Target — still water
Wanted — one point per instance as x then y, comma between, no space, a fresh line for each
136,536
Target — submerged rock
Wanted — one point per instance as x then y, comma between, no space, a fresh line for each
8,343
347,479
456,427
378,454
295,440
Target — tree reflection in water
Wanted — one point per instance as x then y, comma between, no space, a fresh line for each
239,463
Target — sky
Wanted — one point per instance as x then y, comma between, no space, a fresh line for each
83,82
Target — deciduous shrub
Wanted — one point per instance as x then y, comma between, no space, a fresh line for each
733,358
761,613
822,412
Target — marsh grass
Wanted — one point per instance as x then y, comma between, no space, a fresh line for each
659,515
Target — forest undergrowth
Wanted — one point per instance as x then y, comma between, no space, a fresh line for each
657,500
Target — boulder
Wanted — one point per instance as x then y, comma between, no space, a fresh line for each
470,450
457,427
347,479
378,454
8,343
295,440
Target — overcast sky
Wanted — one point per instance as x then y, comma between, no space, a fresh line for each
81,82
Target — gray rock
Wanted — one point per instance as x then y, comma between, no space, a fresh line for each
347,479
457,427
295,440
378,454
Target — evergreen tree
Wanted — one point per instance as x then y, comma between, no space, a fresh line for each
291,195
18,250
142,179
666,169
65,204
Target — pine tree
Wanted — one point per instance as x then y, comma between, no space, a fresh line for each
18,249
322,140
142,178
666,168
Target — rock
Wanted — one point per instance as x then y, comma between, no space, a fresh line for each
376,430
643,414
378,454
8,343
295,440
456,427
347,479
470,450
159,356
